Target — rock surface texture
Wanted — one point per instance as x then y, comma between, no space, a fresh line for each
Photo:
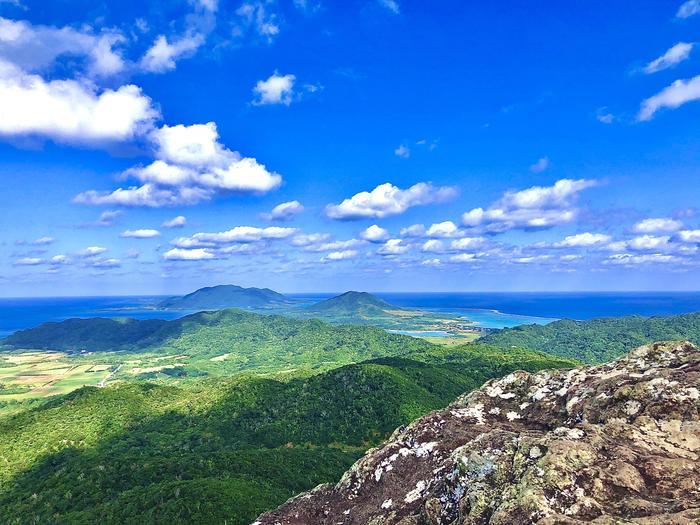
611,444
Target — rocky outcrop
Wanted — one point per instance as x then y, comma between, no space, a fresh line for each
611,444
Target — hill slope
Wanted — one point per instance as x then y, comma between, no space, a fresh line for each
612,444
242,340
224,450
598,340
226,296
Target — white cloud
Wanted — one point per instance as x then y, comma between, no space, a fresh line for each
29,261
402,151
433,245
444,230
538,207
690,236
36,47
255,16
59,259
531,259
108,217
649,242
688,9
73,111
240,234
140,234
604,116
463,258
541,165
415,230
198,254
340,256
43,241
284,212
277,89
629,259
162,55
105,263
374,233
391,5
393,247
653,225
310,239
675,55
191,166
678,93
92,251
387,199
467,243
583,240
175,222
431,262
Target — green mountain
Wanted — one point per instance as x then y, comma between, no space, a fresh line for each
227,296
221,451
353,304
598,340
224,342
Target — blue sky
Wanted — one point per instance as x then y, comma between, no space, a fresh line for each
372,144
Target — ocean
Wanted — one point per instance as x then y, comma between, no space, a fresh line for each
488,310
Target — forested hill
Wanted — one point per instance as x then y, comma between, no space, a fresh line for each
352,304
598,340
221,451
227,296
243,340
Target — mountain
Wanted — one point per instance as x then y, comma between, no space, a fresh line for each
226,296
353,304
616,443
598,340
224,450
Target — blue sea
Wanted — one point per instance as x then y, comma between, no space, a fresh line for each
487,310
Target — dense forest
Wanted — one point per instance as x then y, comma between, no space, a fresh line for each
598,340
221,450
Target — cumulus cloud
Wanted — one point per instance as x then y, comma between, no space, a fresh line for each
631,259
285,211
374,233
691,236
653,225
415,230
238,234
340,255
43,241
678,93
108,217
467,243
387,199
433,245
335,245
104,263
191,166
649,242
541,165
538,207
310,239
674,55
463,258
163,55
393,247
402,151
140,234
444,230
688,9
36,47
583,240
197,254
176,222
276,89
604,116
72,111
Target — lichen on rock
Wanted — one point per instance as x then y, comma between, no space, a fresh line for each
612,444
